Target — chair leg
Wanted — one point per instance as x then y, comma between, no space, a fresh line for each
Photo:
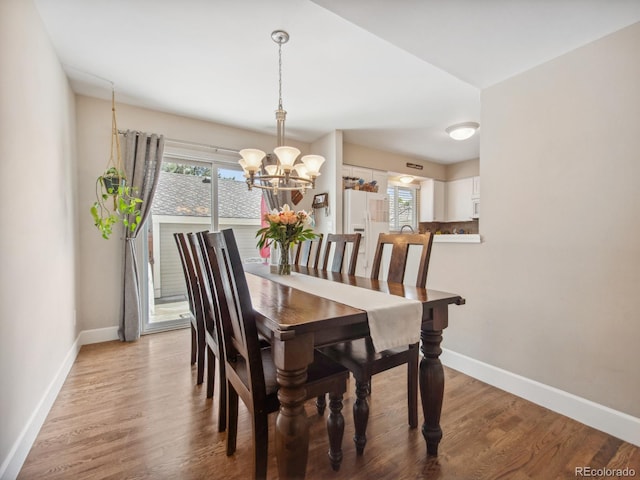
222,404
194,345
412,390
361,415
211,372
321,404
232,419
335,428
201,355
260,445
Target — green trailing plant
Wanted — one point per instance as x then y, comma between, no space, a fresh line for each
115,200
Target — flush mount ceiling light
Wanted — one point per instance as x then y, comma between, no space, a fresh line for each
406,179
279,176
462,131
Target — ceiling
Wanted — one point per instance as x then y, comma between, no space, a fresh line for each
392,74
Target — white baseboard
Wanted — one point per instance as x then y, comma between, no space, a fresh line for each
13,463
600,417
98,335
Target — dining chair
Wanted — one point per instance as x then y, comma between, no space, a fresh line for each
308,252
251,373
195,305
361,358
340,242
213,335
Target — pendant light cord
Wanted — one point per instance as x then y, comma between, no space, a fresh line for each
280,37
280,75
115,138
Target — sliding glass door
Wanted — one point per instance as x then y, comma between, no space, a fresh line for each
193,195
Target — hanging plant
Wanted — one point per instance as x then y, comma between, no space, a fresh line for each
115,200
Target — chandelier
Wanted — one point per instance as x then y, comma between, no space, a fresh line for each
280,176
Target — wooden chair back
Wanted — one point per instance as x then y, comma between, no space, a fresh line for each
237,317
207,288
341,241
190,275
308,252
400,250
198,339
213,337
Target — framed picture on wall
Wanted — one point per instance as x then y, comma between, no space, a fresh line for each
320,200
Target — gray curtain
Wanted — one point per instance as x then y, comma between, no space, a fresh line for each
142,155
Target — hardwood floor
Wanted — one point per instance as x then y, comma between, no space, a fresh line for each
133,411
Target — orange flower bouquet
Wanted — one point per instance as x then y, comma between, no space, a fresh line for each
286,228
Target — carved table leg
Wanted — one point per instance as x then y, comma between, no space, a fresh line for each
431,388
361,415
335,427
292,426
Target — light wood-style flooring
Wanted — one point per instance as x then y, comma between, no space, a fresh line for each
133,411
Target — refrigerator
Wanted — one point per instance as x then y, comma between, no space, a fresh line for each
366,213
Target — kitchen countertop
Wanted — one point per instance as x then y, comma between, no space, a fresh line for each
461,238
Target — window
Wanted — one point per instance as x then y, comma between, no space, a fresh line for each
195,193
402,207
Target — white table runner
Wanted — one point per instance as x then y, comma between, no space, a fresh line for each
393,321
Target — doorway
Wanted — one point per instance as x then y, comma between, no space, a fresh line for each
192,195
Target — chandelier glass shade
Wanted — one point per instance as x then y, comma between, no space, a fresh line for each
285,174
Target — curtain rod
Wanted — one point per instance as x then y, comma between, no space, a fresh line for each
194,144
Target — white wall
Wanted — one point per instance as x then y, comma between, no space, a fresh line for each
37,225
551,293
380,160
330,146
466,169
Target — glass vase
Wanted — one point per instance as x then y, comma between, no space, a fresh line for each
284,265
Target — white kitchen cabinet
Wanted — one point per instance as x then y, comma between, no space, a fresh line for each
365,173
475,193
475,198
459,200
382,180
475,207
432,201
454,201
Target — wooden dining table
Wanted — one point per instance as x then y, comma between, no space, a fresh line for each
296,322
